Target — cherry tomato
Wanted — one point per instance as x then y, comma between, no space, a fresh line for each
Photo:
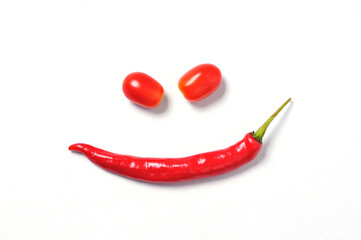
200,82
143,90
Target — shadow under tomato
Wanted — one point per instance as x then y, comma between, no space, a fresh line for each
162,107
214,97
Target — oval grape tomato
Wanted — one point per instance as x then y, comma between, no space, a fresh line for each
143,90
200,82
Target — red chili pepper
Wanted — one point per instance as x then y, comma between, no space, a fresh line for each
179,169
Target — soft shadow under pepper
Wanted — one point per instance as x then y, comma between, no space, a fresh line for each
201,165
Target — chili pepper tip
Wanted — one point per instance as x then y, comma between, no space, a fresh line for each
74,147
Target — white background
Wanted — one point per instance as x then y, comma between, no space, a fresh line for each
61,69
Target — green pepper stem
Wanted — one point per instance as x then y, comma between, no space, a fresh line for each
262,130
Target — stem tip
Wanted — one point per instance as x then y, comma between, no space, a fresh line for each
258,135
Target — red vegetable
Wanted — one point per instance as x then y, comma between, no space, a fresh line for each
179,169
200,82
143,90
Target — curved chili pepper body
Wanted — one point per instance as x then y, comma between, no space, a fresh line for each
174,169
180,169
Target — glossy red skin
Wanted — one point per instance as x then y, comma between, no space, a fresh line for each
200,82
164,170
143,90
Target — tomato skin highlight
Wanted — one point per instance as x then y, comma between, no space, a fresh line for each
200,82
143,90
